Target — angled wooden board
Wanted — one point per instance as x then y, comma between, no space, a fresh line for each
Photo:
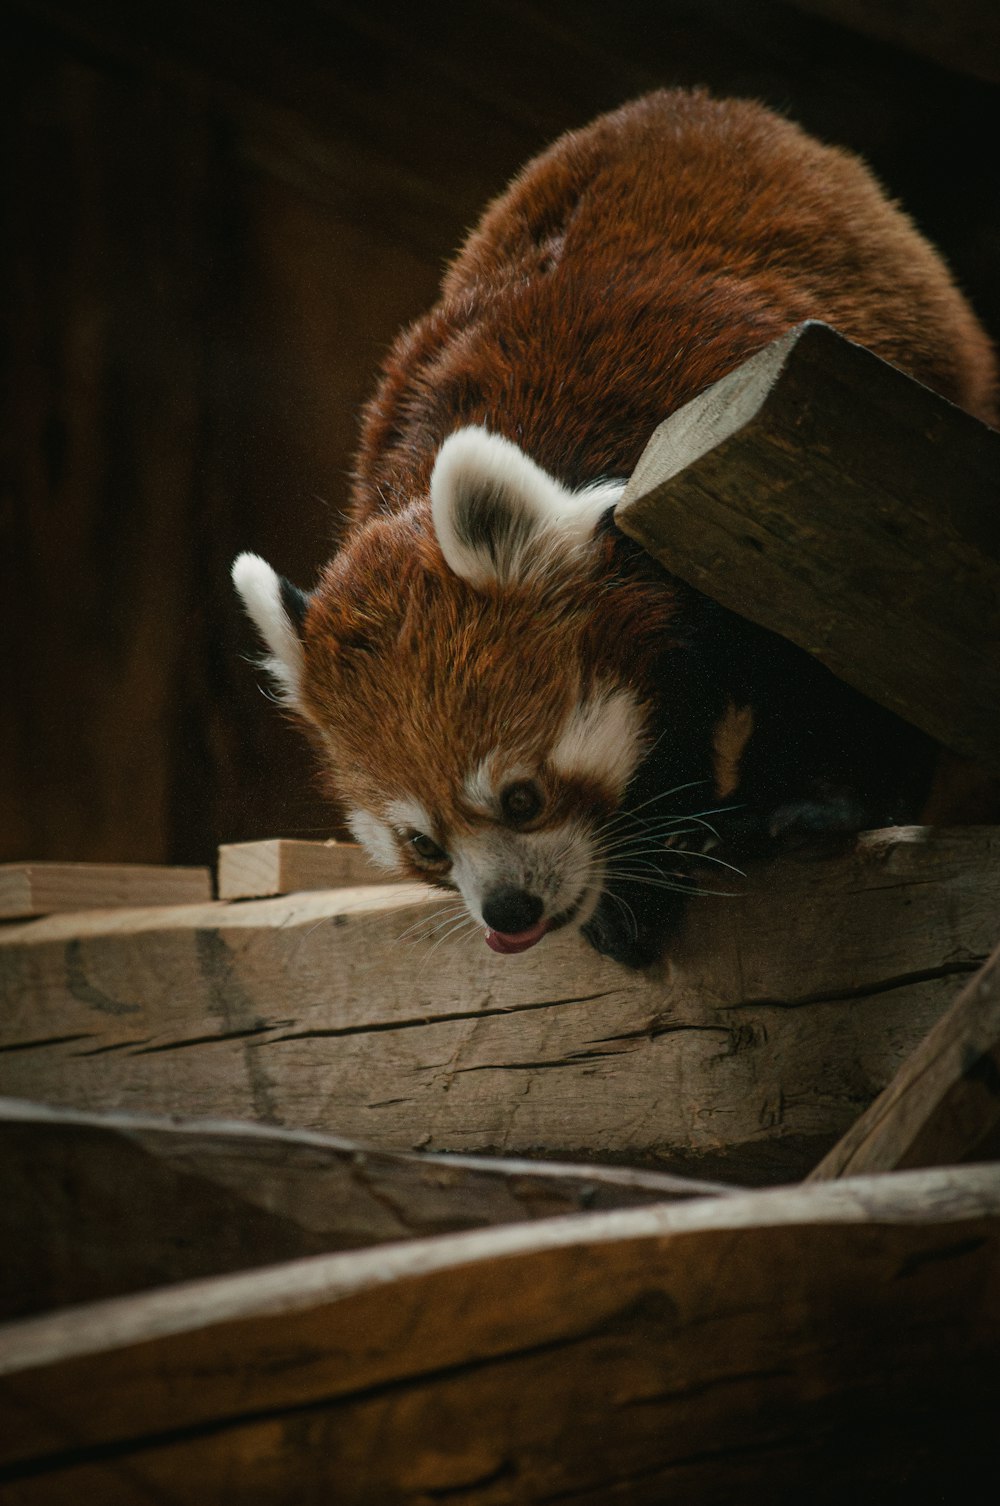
94,1205
943,1106
829,1343
830,498
778,1016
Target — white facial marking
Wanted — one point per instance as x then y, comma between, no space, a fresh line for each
484,784
375,837
602,738
500,517
260,588
478,786
559,866
409,815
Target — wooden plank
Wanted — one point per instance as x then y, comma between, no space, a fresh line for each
256,870
96,1205
816,484
943,1106
779,1014
28,889
706,1351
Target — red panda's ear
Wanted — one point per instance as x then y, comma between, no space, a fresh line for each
277,610
501,518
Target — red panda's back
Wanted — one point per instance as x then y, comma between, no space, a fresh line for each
638,260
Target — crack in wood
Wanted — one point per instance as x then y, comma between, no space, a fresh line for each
43,1041
416,1022
115,1046
863,990
203,1040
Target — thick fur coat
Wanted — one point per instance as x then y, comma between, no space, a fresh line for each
512,698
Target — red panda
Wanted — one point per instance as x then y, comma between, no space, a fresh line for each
514,700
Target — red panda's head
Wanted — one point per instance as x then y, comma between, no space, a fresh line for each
479,674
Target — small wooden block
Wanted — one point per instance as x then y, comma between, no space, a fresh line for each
28,889
258,870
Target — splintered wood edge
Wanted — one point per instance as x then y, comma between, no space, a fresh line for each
944,1103
29,889
282,865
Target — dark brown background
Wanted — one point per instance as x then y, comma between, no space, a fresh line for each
216,217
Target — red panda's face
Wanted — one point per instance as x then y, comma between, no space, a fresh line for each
467,679
516,827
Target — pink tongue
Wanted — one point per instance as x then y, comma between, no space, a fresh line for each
515,941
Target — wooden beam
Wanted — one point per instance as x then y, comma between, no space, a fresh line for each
712,1350
257,870
28,889
829,498
779,1014
943,1106
96,1205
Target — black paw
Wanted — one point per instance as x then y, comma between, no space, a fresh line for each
627,929
824,825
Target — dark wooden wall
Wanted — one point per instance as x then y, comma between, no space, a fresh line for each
216,218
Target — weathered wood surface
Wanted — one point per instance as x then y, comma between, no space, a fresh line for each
28,889
841,1337
258,870
95,1205
779,1016
943,1106
828,497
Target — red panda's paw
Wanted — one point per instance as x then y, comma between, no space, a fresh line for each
821,826
624,928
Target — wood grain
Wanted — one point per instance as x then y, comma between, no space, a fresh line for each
779,1015
256,870
943,1106
708,1351
818,491
28,889
95,1205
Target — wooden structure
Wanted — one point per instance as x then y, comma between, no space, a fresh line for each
744,1057
234,1311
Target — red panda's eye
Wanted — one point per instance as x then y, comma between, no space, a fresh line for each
426,849
520,802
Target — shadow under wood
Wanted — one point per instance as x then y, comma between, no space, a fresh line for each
95,1206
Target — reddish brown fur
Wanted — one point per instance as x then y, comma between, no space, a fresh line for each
626,269
377,679
636,262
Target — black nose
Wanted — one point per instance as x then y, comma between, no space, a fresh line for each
511,910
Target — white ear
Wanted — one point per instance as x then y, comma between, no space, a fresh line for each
272,603
499,517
